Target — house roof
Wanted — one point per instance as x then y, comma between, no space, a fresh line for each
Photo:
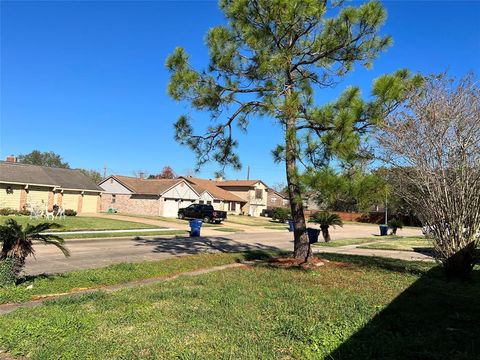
280,194
148,186
232,183
11,172
213,189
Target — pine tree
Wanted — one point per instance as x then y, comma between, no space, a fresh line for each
267,62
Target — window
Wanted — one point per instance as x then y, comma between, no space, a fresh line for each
273,199
258,194
209,203
285,201
201,202
114,198
232,206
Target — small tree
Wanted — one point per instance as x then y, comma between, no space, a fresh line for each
434,143
47,158
326,219
17,242
267,62
166,173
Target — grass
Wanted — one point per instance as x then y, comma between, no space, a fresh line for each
163,218
81,223
226,229
279,227
362,308
344,242
125,234
251,220
402,244
113,274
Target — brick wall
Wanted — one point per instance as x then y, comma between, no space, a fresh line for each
132,204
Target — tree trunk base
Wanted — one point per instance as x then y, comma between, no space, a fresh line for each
461,264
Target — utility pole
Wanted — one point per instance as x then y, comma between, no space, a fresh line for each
248,172
104,171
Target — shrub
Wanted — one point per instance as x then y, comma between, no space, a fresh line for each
395,224
70,212
24,212
280,214
7,273
326,219
8,211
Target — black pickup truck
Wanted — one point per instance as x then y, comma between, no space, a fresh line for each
202,211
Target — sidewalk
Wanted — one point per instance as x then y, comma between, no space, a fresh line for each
391,254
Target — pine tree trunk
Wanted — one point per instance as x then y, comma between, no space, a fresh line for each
301,244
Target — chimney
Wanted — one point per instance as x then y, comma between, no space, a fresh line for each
141,175
11,158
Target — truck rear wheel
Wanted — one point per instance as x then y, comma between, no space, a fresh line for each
206,219
181,216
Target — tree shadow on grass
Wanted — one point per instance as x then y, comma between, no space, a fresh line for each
435,318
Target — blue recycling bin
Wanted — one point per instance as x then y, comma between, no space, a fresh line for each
383,230
290,225
195,226
313,235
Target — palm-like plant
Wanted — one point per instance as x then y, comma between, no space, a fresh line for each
17,242
326,219
395,224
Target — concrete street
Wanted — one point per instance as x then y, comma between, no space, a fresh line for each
92,253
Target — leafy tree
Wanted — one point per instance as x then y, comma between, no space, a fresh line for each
267,62
166,173
350,190
280,214
47,158
17,242
326,219
94,175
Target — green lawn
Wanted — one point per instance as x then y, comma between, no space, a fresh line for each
251,220
344,242
125,234
226,229
167,219
114,274
403,244
362,308
77,223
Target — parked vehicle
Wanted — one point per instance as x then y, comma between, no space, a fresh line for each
266,213
202,211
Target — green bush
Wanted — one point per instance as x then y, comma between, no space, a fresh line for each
70,212
395,224
8,211
24,212
280,214
7,273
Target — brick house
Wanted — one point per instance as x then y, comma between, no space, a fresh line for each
157,197
25,186
221,198
277,199
253,193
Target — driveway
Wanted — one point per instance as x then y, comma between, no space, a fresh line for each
91,253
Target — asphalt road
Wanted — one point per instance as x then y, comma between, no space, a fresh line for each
94,253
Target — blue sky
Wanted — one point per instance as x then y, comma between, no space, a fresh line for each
87,79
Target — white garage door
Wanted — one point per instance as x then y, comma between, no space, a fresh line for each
170,208
89,204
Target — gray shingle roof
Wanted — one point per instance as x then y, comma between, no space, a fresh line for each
43,175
